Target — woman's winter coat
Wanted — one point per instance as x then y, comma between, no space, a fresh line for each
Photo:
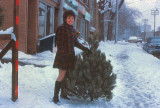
66,40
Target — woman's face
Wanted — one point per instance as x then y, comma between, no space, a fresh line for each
70,20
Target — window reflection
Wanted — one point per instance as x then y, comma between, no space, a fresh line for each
46,20
41,20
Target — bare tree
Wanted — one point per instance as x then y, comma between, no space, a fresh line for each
112,15
127,20
104,6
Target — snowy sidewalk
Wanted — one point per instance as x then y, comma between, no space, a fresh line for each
138,76
39,60
137,83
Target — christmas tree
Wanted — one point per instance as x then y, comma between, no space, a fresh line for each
92,76
1,17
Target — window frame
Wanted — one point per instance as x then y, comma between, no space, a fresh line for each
45,19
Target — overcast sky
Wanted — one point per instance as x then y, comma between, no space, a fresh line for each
145,6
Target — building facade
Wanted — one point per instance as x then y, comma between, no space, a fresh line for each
39,19
146,27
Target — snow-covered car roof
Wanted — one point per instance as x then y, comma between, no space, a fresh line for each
132,37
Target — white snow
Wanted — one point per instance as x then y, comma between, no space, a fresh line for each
8,31
137,83
133,38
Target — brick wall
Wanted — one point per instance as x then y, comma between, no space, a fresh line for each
52,3
7,6
32,38
23,21
28,22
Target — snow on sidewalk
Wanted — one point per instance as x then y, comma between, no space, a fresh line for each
137,76
137,80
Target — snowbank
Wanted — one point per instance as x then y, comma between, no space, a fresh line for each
137,84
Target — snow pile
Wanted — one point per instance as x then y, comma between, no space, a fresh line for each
8,31
137,84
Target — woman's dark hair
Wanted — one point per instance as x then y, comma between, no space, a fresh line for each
68,13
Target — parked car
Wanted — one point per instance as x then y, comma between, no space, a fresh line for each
134,39
140,39
152,45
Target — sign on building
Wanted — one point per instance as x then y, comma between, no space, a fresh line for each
71,5
87,16
81,9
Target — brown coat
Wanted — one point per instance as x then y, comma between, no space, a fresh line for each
66,40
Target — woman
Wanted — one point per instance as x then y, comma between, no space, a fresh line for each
65,57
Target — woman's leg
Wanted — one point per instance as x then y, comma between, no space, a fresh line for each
61,75
58,85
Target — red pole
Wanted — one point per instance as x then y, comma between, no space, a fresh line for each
15,53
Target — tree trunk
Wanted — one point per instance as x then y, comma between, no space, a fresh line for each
110,24
110,27
101,26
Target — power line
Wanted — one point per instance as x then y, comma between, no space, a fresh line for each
149,10
154,12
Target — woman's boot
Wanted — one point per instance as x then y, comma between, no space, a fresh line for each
63,94
63,90
56,92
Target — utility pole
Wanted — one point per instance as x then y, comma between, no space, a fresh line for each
154,12
101,6
116,37
15,52
145,21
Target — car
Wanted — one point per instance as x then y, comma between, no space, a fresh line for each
152,45
139,39
134,39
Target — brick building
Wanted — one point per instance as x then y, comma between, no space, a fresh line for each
39,20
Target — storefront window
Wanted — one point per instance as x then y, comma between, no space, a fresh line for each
52,12
82,28
75,23
86,31
42,19
46,20
92,12
78,24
